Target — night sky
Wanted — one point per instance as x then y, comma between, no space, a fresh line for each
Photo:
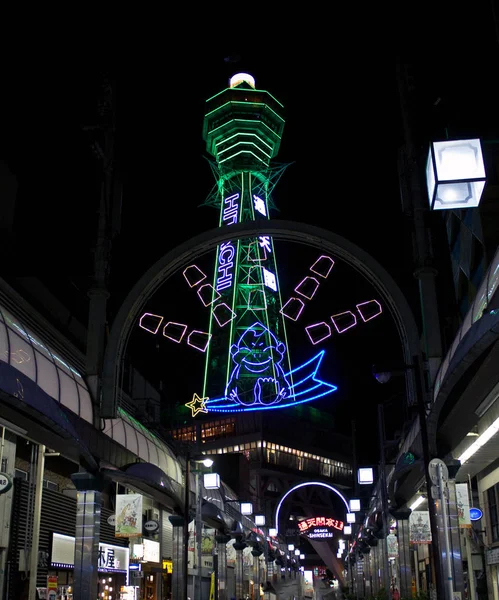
341,138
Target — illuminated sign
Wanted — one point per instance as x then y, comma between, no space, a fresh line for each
226,251
317,528
259,205
110,559
475,514
258,381
197,405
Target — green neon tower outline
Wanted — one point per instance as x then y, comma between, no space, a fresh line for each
242,129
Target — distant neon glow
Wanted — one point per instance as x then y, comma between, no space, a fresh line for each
307,287
203,337
293,309
369,310
343,321
174,331
259,205
239,78
223,314
322,266
197,405
269,279
306,387
299,486
225,266
193,275
150,322
207,294
318,332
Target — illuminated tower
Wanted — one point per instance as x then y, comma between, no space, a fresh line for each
247,361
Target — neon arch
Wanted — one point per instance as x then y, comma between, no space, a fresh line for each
182,256
300,485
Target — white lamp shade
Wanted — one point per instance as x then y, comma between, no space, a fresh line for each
455,174
246,508
211,481
272,532
302,557
347,530
365,475
297,552
355,505
291,547
351,517
260,520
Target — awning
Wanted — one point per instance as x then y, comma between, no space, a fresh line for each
42,416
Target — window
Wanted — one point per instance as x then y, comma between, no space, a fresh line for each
493,515
20,474
50,485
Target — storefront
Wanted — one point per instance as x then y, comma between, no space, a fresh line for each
113,563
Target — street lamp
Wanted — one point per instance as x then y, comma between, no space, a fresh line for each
455,174
365,475
354,505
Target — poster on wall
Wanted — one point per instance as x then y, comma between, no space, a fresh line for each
393,546
419,527
463,505
128,515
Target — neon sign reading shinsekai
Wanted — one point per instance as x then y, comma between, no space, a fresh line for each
319,527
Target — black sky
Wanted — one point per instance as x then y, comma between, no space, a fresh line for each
342,134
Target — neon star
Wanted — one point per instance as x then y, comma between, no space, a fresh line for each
197,405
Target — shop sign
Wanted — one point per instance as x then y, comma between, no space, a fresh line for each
5,482
475,514
151,526
111,520
52,587
111,559
151,551
167,566
493,556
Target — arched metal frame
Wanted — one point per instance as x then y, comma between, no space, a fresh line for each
183,255
305,484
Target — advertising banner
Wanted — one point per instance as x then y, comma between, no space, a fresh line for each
128,515
419,527
463,505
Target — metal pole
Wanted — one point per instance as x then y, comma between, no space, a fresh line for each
471,574
426,459
384,499
37,513
186,521
442,484
199,534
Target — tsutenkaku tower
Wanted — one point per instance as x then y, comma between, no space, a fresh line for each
247,361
